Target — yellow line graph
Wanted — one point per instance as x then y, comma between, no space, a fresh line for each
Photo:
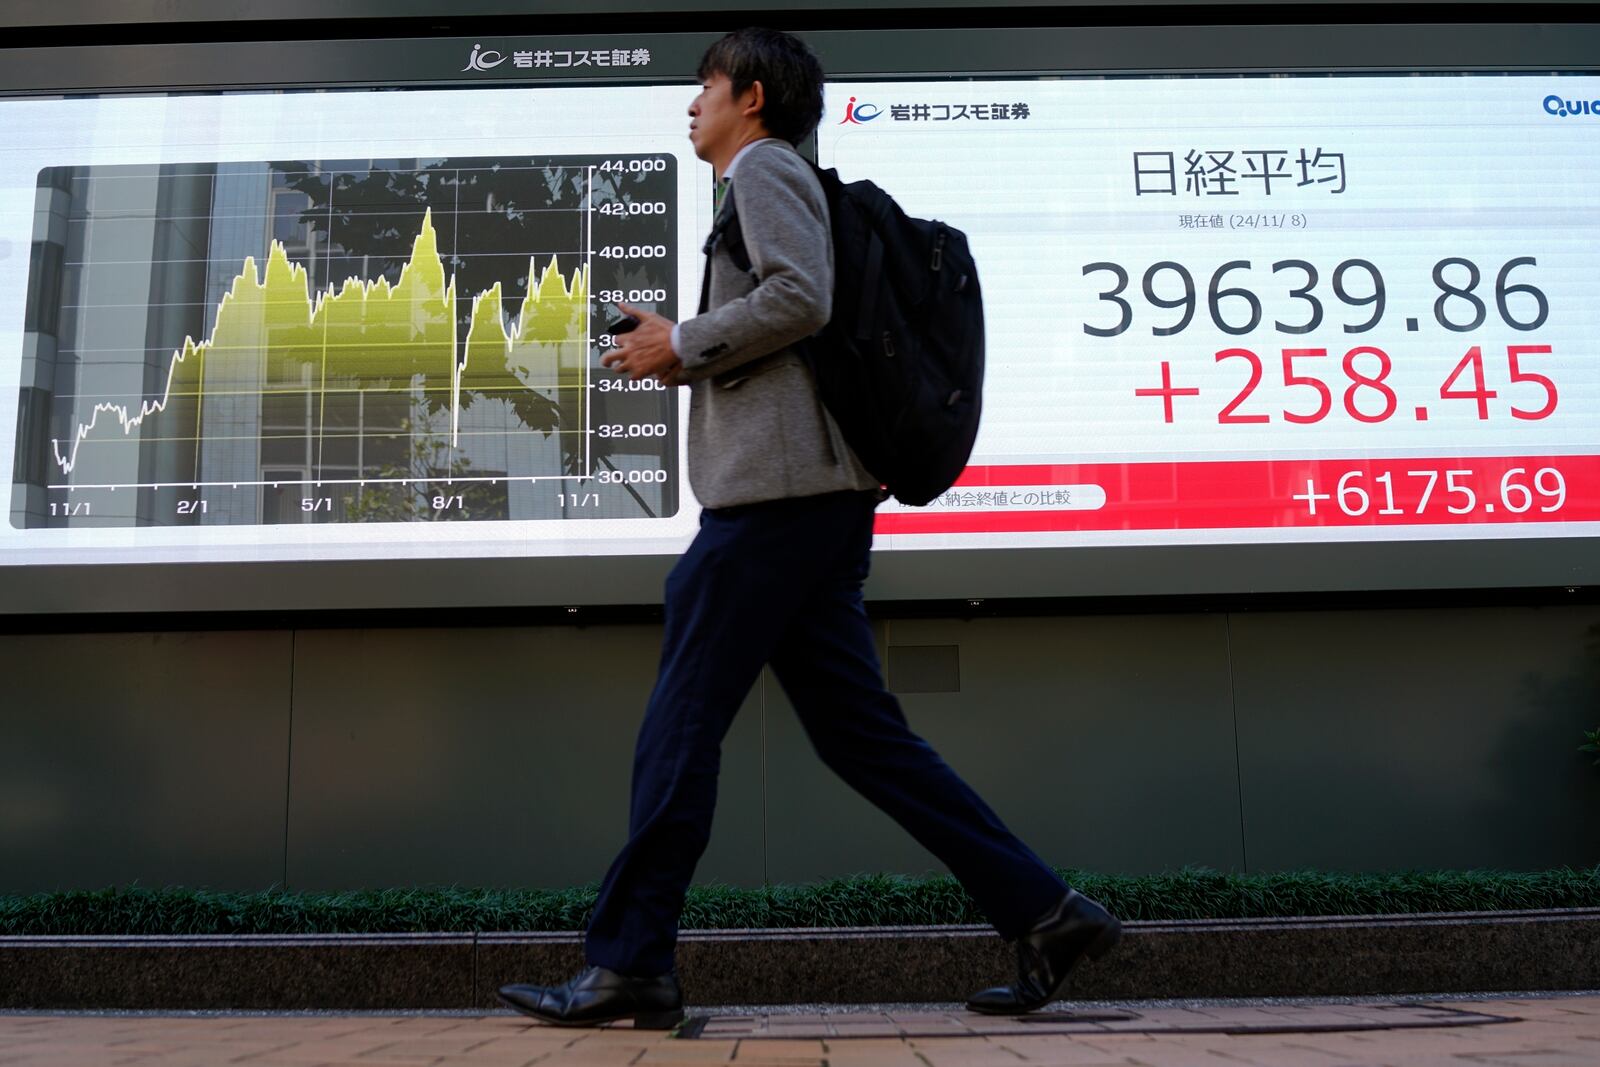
271,334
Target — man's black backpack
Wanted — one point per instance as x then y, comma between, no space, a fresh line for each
900,364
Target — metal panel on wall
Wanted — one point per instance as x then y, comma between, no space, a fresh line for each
485,757
157,758
1103,743
1415,739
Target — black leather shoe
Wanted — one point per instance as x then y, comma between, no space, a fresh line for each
1074,928
596,995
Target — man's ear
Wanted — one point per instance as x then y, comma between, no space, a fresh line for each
755,100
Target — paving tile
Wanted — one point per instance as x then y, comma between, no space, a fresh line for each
521,1042
778,1048
594,1054
1553,1032
1328,1057
685,1051
426,1046
896,1055
308,1052
1067,1053
1162,1056
987,1051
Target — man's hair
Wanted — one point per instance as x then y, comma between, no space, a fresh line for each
789,73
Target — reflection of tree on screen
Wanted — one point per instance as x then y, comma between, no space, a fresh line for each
424,491
491,222
431,317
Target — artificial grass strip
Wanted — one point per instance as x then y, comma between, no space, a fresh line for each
860,900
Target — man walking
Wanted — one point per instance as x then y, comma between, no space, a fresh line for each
774,576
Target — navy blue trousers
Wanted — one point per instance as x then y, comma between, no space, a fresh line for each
780,582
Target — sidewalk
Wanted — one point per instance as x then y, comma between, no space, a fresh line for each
1557,1030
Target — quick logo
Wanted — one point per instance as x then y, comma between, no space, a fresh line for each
1555,105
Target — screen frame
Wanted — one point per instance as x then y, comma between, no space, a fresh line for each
956,577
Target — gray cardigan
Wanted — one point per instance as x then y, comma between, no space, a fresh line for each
757,430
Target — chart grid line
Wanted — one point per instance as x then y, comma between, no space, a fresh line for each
345,344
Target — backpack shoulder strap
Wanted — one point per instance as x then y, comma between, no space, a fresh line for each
726,230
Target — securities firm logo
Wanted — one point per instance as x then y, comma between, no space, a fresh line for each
1555,105
855,114
481,60
557,58
858,114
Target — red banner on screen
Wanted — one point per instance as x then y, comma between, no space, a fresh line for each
1263,494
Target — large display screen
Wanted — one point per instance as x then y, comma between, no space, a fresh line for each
1242,310
296,326
1262,309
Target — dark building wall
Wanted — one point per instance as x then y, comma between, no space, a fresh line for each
1259,741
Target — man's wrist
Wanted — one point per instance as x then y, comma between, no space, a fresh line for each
677,349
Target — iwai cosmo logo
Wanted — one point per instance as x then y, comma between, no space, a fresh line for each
486,59
855,114
482,59
859,113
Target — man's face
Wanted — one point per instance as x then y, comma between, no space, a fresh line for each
716,118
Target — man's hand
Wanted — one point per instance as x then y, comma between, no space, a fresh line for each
646,350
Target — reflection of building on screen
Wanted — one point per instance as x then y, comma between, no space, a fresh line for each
267,417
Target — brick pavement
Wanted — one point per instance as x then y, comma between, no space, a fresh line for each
1547,1031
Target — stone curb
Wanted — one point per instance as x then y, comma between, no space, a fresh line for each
1338,956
